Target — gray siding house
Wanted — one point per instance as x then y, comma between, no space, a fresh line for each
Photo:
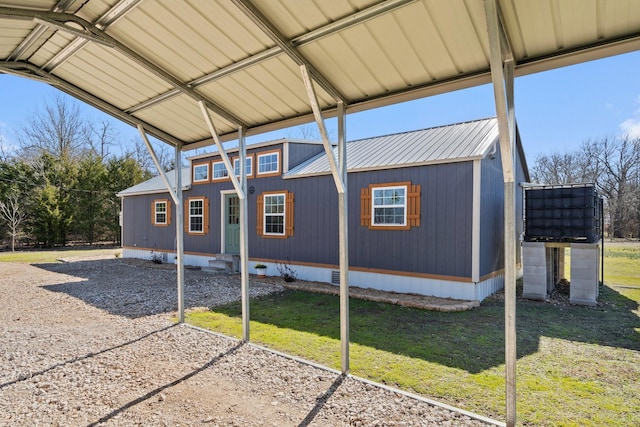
425,211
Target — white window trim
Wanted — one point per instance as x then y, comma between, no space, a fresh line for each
374,206
270,153
284,214
236,166
155,212
213,168
202,200
196,166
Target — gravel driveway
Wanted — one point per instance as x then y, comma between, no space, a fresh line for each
90,343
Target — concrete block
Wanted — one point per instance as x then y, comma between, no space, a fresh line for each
534,270
534,254
584,274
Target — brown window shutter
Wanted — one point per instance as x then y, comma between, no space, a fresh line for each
205,215
153,212
365,207
413,206
168,212
288,227
186,216
260,214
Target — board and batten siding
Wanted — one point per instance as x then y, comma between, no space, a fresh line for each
138,229
441,245
314,238
492,213
299,153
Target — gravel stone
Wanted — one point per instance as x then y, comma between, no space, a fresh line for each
92,343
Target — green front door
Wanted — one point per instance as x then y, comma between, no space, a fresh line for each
232,224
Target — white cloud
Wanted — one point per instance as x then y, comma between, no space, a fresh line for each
631,128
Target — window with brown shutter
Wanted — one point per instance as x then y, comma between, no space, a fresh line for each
390,206
161,212
274,217
196,214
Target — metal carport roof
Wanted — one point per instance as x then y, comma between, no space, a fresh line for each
193,72
150,62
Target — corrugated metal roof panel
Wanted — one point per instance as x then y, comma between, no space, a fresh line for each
189,123
110,76
196,42
13,32
156,184
267,92
243,56
462,141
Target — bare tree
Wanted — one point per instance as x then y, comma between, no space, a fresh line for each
57,130
13,213
310,132
567,168
619,162
100,136
141,155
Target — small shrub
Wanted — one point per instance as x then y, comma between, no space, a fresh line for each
286,272
156,257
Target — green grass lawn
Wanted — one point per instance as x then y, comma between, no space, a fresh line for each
49,256
577,366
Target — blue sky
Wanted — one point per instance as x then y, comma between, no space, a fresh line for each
556,110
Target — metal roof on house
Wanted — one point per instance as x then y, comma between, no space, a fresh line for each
156,185
215,152
150,63
443,144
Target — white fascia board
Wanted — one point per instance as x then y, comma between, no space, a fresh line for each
143,193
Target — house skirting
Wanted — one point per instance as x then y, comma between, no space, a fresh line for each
402,282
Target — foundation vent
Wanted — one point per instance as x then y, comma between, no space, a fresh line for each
335,277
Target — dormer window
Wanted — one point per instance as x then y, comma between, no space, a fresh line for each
269,163
201,173
219,171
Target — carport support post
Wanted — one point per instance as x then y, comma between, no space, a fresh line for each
179,233
240,186
502,75
176,196
339,172
343,215
244,237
